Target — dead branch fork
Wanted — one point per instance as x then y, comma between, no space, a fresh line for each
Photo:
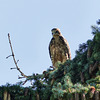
22,74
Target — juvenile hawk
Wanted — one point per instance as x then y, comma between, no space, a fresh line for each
58,48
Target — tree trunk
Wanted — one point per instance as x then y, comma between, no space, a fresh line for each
76,96
97,95
37,96
6,96
83,97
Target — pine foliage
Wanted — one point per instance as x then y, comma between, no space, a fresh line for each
79,75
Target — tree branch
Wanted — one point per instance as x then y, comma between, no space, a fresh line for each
15,59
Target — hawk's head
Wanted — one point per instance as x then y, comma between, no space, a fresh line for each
55,32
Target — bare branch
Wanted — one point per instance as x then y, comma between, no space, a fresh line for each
13,68
15,59
8,56
24,82
20,77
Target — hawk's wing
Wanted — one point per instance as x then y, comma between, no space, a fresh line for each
67,49
51,43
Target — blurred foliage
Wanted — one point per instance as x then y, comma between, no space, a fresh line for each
78,75
17,92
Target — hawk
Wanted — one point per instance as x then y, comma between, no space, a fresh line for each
58,48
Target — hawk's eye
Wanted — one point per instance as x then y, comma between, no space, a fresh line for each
56,32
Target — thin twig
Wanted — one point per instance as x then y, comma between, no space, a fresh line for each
20,77
8,56
15,59
24,82
13,68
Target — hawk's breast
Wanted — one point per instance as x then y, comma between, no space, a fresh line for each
58,52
